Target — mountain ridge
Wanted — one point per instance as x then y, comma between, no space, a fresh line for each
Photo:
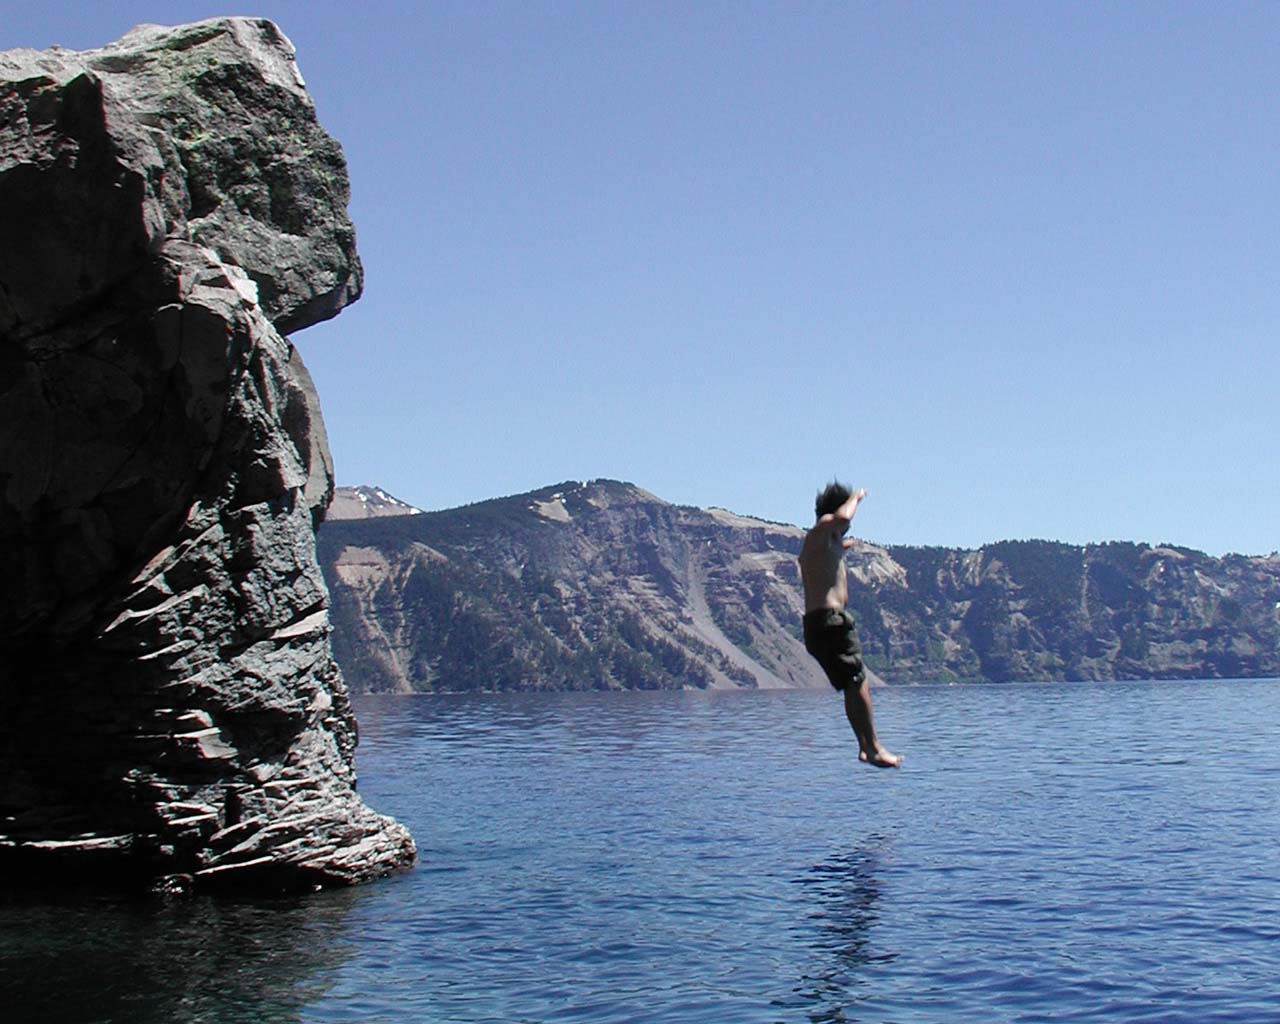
365,502
602,584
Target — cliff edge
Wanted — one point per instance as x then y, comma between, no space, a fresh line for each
170,710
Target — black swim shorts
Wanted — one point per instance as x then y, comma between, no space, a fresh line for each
830,636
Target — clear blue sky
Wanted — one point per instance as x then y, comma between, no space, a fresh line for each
1014,267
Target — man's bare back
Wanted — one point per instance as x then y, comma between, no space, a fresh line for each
829,630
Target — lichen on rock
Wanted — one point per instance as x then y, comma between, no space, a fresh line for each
170,711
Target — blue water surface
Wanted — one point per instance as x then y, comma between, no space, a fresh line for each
1069,852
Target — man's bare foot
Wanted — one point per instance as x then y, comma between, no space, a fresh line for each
880,758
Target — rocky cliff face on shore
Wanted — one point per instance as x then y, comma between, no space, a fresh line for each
170,711
602,585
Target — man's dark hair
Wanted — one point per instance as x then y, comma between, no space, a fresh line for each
831,498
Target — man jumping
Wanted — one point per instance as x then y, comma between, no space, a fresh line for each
829,632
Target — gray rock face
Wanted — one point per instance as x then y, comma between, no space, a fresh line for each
169,706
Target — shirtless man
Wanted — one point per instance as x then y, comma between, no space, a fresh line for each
829,632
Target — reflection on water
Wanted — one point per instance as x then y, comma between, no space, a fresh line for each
842,895
160,961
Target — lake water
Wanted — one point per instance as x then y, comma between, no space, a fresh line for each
1059,852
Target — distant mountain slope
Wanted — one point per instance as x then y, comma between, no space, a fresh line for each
1039,610
573,586
603,585
366,503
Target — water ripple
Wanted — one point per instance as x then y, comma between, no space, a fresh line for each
1066,853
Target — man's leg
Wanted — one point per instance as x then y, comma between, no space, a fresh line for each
857,707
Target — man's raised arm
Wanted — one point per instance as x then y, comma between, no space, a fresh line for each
845,512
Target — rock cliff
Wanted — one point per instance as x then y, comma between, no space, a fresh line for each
170,711
1036,610
603,585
